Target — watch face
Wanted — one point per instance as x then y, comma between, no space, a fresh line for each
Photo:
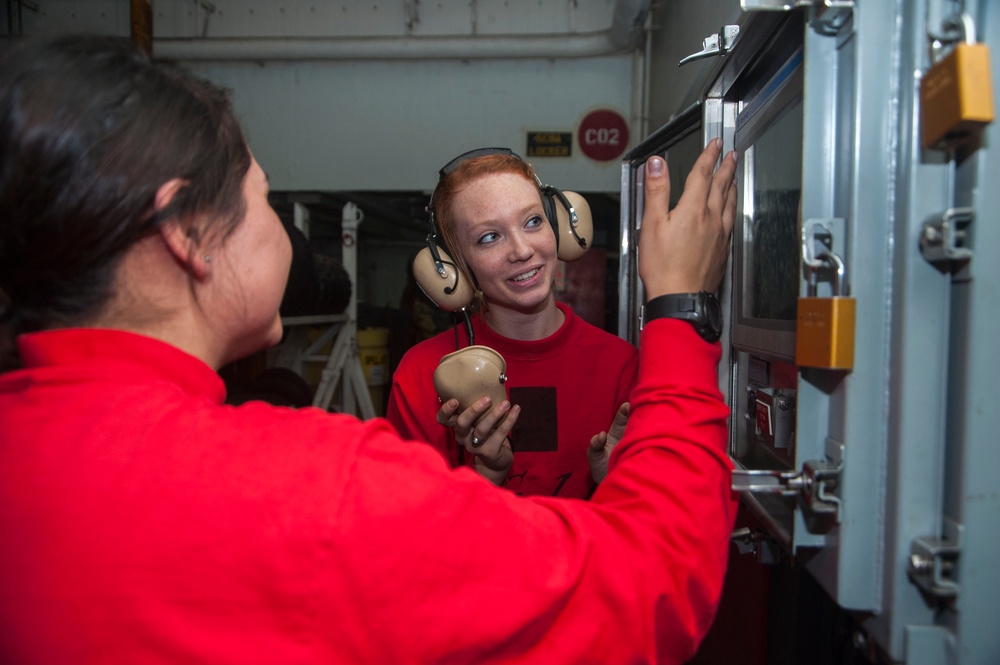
713,318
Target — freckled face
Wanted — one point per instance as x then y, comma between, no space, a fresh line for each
253,264
507,241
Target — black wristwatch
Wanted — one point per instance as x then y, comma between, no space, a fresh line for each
701,309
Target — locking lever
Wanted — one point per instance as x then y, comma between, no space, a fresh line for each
814,486
717,44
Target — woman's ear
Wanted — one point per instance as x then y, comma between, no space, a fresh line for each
180,236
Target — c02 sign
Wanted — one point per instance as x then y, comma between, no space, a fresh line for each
603,135
610,136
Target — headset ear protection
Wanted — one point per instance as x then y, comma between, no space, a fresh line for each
438,277
569,215
436,272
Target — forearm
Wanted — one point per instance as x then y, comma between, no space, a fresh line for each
673,456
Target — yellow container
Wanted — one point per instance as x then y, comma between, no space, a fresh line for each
373,351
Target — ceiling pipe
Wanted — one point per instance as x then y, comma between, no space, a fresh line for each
624,34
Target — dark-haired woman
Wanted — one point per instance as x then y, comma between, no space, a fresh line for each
143,520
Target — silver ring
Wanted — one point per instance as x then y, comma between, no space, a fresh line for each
476,442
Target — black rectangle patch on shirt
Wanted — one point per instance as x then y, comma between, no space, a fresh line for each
537,429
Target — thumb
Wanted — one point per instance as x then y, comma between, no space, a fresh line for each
657,183
598,440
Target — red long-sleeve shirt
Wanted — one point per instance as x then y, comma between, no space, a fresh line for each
141,520
569,387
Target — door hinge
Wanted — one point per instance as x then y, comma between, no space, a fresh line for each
826,16
944,237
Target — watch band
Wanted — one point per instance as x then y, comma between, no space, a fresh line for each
700,309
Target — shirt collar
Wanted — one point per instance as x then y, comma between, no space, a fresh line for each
530,349
118,353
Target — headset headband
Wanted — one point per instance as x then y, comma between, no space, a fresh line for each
478,152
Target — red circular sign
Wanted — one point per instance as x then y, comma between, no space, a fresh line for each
603,135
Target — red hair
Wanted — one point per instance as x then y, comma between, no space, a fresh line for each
455,181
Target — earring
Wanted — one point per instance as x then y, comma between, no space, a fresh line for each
208,258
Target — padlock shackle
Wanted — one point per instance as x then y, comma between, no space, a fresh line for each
829,258
959,22
968,25
956,28
825,259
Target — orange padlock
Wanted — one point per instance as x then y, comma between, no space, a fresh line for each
956,99
824,332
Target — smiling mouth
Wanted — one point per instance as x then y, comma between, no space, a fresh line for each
525,276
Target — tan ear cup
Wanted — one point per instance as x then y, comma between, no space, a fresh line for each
449,291
470,373
569,244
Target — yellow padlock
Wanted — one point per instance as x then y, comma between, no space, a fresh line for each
956,99
824,332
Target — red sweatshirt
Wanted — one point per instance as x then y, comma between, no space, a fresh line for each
569,387
143,521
